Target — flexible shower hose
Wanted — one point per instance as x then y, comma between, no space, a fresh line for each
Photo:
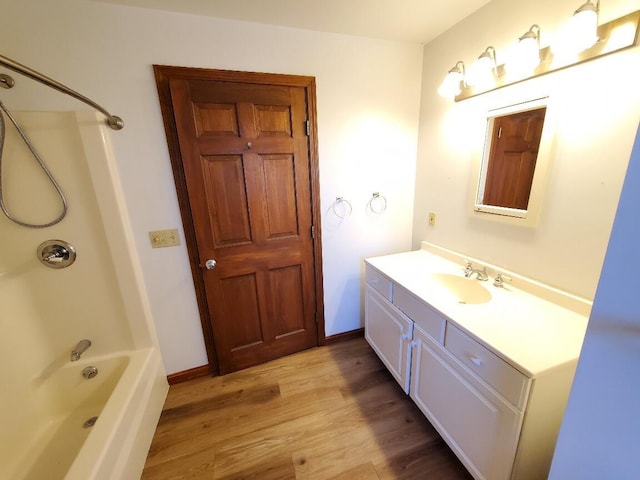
28,143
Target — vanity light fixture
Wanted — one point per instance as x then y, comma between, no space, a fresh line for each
452,83
527,53
485,69
594,42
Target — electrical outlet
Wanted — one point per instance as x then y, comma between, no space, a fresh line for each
432,219
164,238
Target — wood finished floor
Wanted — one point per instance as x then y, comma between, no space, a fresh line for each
329,413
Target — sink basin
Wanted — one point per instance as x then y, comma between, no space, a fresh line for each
464,290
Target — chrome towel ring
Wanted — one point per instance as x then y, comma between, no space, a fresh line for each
377,204
341,207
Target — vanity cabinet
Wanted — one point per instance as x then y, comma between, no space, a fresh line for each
389,332
479,425
501,422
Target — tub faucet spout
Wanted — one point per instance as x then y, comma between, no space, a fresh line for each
80,348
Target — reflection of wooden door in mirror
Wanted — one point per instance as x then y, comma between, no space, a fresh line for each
512,158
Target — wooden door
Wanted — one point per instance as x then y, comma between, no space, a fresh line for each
512,161
246,157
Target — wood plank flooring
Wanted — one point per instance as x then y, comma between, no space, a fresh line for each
329,413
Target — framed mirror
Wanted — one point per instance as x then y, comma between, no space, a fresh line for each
514,162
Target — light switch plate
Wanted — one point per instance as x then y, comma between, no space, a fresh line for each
164,238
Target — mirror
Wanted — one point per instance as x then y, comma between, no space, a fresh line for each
514,161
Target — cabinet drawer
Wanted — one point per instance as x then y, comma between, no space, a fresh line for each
379,282
420,313
504,378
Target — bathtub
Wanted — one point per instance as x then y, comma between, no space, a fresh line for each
44,400
126,395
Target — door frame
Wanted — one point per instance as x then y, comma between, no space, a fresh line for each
163,74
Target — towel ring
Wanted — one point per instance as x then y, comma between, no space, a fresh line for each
380,201
347,209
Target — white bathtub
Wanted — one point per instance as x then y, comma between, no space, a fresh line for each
44,400
126,398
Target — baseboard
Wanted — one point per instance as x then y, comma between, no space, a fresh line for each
344,336
203,370
185,375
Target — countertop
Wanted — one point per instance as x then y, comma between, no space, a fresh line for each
532,333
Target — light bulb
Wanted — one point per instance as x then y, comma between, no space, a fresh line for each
525,57
482,72
452,83
450,86
580,32
584,27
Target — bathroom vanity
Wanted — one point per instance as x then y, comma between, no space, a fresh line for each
490,367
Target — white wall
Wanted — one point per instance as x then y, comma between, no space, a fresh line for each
368,103
596,111
599,436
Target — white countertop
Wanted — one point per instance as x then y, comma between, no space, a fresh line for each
531,333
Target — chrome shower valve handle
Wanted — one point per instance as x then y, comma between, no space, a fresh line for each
56,253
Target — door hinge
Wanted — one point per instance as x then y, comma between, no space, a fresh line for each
499,132
308,127
313,231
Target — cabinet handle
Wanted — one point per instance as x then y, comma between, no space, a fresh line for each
475,360
406,336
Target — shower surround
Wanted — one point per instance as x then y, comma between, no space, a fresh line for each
45,312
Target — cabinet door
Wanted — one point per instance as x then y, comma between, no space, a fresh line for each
481,428
389,333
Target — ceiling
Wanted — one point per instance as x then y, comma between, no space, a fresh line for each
416,21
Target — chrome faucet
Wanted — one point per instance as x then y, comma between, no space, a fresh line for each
80,348
480,274
500,279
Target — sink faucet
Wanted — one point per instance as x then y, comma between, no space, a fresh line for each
80,348
500,279
480,274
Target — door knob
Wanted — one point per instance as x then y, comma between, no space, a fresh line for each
210,264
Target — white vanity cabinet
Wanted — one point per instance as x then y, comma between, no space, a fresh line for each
387,329
501,421
480,426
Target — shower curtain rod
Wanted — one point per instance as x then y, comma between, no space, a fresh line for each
113,121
